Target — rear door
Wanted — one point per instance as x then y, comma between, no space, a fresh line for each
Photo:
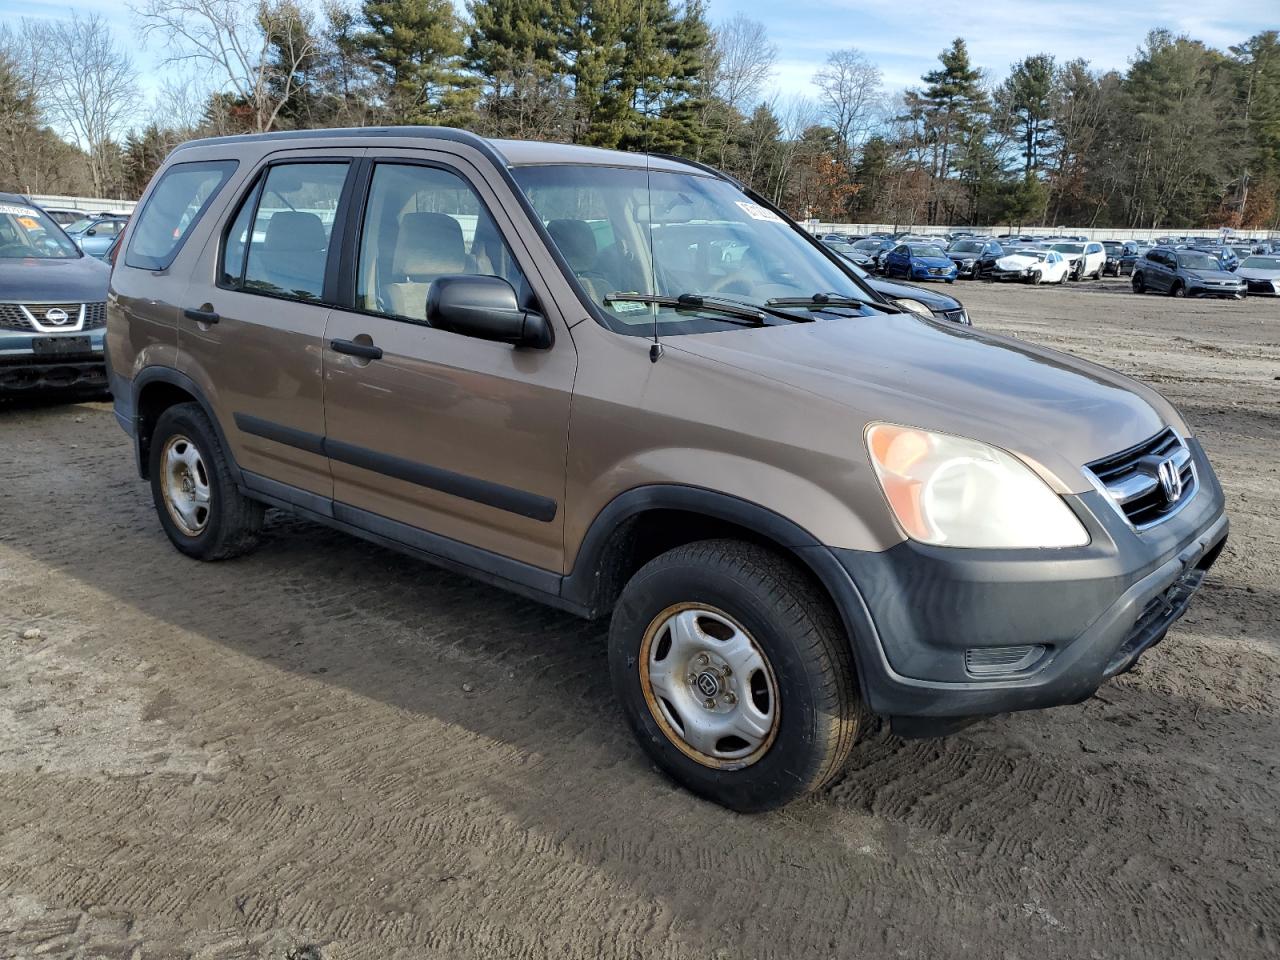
457,436
254,318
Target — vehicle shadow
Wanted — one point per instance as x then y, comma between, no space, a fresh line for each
988,826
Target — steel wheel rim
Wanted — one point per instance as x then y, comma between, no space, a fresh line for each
184,485
709,686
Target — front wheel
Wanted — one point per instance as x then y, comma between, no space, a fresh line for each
734,674
1178,290
1139,284
196,497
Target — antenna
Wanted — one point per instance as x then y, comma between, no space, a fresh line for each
655,349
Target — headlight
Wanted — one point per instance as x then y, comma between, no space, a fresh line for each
955,492
915,306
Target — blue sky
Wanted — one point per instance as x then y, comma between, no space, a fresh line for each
904,38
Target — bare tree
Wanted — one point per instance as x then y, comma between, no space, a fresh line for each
795,115
90,95
738,62
851,94
232,40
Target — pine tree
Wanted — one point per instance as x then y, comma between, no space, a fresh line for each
416,49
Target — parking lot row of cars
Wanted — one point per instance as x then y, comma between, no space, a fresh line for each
1180,266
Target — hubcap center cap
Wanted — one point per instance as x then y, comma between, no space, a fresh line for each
708,683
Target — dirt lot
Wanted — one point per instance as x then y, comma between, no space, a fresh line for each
325,749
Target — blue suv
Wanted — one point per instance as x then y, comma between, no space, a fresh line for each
53,306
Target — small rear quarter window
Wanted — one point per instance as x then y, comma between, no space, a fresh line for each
175,206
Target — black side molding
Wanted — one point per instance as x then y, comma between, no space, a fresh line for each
310,442
519,502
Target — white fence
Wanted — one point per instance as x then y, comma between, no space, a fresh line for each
1090,232
87,204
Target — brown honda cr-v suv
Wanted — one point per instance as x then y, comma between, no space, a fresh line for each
627,386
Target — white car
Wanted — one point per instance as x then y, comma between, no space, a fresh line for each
1262,273
1032,266
1085,259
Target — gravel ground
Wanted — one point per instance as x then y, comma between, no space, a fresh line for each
328,750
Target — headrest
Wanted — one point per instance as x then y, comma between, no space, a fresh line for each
292,231
428,244
576,240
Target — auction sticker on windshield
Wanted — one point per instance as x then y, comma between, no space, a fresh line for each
13,210
757,212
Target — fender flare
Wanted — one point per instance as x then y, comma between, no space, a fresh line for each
175,378
580,585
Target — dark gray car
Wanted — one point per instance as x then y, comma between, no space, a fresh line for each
52,305
1185,273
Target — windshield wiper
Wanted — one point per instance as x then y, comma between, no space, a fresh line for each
745,314
821,300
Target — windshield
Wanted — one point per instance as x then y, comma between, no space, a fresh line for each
27,233
868,245
1197,261
1262,263
655,233
1111,246
1069,247
966,246
839,246
926,250
81,225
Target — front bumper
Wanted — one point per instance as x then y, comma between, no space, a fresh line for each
918,613
933,273
24,372
1207,290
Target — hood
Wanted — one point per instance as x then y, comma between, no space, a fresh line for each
1257,273
957,256
1052,409
1217,274
83,280
1069,257
1017,261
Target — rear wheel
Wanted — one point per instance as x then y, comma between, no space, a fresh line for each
734,674
196,497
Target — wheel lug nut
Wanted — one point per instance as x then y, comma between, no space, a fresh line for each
703,659
692,678
729,698
709,703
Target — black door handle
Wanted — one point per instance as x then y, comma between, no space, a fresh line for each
366,350
203,316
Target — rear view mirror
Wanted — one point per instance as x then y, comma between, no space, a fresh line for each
486,308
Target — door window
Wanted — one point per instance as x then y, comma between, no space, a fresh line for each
422,223
279,241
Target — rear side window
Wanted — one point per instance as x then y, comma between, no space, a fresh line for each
176,205
278,243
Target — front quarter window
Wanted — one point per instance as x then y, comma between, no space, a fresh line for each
174,206
667,234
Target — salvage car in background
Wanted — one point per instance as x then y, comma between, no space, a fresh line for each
974,257
876,248
52,305
95,235
1084,259
1032,266
1181,272
1261,274
919,261
1131,252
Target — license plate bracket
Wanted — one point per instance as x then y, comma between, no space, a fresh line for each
60,346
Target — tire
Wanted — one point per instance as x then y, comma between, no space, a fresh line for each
188,469
1139,284
796,677
1178,290
1037,278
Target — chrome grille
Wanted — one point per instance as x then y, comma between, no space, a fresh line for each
13,317
1133,478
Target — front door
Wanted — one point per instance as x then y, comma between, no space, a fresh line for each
254,323
460,437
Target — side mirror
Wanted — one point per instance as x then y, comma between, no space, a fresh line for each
486,308
91,232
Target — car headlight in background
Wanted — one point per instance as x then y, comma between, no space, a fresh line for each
951,491
915,306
